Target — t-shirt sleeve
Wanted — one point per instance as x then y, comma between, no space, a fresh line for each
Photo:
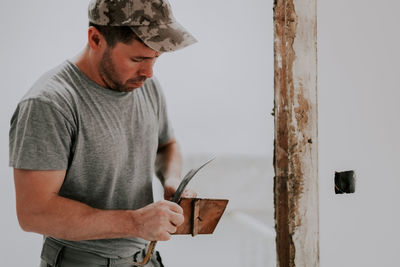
40,137
165,132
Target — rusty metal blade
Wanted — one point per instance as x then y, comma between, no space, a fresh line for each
186,180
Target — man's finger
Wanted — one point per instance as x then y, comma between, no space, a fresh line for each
189,193
172,229
176,208
177,219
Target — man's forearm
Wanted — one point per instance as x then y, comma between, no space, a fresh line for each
169,168
72,220
169,162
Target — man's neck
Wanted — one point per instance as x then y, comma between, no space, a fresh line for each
85,64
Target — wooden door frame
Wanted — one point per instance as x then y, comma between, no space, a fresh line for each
295,146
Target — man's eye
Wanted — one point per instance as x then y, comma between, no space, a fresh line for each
136,59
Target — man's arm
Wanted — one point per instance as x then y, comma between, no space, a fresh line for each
40,209
168,169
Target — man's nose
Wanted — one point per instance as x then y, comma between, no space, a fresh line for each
146,69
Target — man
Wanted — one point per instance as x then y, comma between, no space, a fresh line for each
88,136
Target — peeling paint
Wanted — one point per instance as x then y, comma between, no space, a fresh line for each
279,59
295,136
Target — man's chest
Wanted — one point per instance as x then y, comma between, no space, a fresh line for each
114,133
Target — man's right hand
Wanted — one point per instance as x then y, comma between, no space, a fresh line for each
41,210
157,221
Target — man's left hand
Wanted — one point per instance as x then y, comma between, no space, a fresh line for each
170,187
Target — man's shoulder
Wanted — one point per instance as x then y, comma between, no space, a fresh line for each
153,88
51,85
55,87
152,83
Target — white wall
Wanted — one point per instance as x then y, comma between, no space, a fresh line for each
359,129
219,91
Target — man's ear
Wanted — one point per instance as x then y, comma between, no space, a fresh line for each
96,40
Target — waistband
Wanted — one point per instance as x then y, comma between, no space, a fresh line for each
53,250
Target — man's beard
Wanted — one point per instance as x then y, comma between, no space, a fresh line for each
111,78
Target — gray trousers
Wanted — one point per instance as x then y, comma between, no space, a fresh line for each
55,254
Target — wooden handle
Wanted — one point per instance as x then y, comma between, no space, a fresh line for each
148,255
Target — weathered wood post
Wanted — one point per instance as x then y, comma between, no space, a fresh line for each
295,156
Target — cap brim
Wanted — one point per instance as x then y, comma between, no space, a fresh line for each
164,38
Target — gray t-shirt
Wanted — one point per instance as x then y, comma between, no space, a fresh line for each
105,140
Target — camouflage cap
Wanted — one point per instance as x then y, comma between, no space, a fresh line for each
151,20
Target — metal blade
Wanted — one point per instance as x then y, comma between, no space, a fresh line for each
186,180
